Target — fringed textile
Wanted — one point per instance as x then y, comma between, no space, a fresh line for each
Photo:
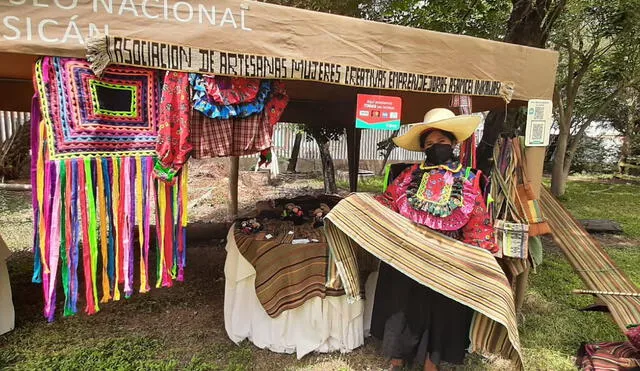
93,183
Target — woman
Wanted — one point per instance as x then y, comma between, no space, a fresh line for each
416,324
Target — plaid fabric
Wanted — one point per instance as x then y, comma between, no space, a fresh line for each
231,137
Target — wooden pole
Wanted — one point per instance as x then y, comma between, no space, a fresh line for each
233,186
353,154
15,187
535,167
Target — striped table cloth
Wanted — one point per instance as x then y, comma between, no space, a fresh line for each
288,274
591,262
459,271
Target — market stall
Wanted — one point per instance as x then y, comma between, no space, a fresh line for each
118,128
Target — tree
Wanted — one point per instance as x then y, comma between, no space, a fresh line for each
295,152
480,18
530,23
599,56
351,8
524,22
323,135
624,115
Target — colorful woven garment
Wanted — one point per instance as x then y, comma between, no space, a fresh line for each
86,116
465,273
93,186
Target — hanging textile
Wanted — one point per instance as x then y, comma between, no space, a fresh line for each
173,135
247,105
94,156
238,136
468,147
231,90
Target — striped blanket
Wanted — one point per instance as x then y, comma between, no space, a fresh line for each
287,274
465,273
592,263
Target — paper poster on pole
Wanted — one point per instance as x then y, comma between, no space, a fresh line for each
378,112
539,121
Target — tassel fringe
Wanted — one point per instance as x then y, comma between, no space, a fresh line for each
89,210
97,55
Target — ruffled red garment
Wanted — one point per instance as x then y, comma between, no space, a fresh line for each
471,219
173,146
232,90
277,103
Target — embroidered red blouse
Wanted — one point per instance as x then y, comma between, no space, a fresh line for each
432,203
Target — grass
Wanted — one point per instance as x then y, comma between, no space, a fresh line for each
588,199
183,328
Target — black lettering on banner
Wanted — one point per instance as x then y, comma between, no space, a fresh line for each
205,65
117,50
127,51
223,63
496,85
176,57
185,56
155,54
283,66
143,53
136,52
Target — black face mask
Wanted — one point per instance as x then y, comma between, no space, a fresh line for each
438,154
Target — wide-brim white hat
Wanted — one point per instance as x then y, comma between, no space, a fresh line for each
462,127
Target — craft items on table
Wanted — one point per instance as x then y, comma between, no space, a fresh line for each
293,213
250,226
282,290
288,273
319,214
94,188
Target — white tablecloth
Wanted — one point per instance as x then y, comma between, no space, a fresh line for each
320,325
7,314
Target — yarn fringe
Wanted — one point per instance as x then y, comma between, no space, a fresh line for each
87,210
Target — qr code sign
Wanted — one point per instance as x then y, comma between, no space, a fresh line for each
537,131
539,112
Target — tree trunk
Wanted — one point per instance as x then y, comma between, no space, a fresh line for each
295,152
529,24
492,128
559,174
328,170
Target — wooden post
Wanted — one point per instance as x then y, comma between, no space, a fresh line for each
234,171
353,154
535,167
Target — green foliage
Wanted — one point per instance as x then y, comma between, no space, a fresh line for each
351,8
371,184
593,157
480,18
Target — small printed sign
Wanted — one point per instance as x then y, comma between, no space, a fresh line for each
539,121
378,112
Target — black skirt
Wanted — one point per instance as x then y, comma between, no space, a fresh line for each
416,323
